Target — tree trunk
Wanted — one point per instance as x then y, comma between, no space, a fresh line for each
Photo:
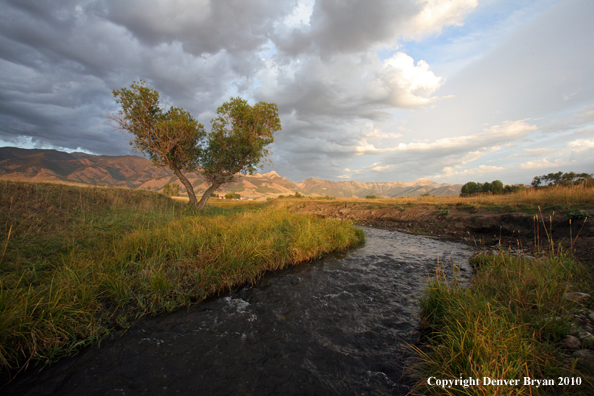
186,182
207,194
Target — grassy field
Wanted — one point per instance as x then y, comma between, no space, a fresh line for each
528,201
508,324
77,262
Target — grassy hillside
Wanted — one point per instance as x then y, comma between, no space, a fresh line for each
77,262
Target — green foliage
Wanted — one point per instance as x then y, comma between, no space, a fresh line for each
444,212
170,138
577,215
237,142
239,136
370,197
470,188
232,196
297,195
171,189
563,179
495,187
509,189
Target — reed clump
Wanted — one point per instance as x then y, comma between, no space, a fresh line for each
79,262
508,324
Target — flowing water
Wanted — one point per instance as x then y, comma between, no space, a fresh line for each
336,326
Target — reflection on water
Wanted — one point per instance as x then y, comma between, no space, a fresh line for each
337,326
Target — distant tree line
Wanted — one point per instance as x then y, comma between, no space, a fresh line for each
297,195
552,179
563,179
495,187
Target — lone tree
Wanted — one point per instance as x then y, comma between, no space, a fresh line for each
173,138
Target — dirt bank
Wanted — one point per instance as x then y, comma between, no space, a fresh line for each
478,227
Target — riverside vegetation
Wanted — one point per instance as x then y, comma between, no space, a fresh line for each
514,318
511,322
522,316
79,262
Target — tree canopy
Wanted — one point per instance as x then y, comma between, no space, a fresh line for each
495,187
173,138
238,140
563,179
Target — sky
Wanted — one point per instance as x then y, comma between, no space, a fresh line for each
367,90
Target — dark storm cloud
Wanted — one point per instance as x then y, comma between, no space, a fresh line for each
354,26
62,59
202,26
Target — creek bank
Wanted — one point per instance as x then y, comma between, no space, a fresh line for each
340,325
478,227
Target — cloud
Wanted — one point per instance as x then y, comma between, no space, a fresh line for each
420,158
581,144
439,13
201,26
28,142
540,151
359,84
401,83
487,141
542,163
574,120
481,170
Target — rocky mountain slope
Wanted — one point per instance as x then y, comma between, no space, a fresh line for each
137,172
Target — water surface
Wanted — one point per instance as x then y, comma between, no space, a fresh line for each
336,326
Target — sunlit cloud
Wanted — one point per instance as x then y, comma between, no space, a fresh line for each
542,163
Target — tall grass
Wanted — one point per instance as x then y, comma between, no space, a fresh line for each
506,325
81,261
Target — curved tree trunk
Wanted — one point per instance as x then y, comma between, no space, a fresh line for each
187,184
207,194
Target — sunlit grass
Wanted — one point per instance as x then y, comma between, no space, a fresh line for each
506,325
554,198
77,262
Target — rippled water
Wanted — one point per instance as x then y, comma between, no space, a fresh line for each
337,326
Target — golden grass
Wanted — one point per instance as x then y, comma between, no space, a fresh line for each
77,262
530,199
506,325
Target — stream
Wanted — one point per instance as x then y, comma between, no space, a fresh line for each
336,326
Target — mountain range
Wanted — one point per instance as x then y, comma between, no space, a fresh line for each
139,173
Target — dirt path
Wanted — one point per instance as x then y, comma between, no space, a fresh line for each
476,227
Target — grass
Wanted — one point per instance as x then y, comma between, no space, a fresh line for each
559,199
79,262
507,324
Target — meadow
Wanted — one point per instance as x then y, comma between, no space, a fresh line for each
77,263
560,198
